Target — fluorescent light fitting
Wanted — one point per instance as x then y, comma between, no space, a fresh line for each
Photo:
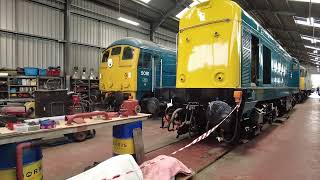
128,21
308,1
145,1
315,51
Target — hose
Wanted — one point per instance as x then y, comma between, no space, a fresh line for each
172,118
235,130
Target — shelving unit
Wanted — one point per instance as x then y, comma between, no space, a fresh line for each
21,88
85,86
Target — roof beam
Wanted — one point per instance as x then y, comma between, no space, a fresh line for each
297,29
286,13
158,23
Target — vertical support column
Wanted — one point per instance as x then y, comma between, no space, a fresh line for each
67,19
151,33
16,30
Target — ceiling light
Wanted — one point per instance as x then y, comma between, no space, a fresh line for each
316,58
315,51
317,66
312,1
194,3
128,21
145,1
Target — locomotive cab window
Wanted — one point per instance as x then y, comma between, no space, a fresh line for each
254,59
105,56
145,60
116,51
266,65
128,53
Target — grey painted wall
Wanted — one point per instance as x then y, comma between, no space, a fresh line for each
32,33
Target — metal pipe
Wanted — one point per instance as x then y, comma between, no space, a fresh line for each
153,75
19,156
70,118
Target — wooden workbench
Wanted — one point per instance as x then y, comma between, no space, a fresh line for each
8,136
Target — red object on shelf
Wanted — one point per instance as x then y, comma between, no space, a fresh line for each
130,107
14,110
10,125
76,100
53,72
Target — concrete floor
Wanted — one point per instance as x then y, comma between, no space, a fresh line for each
284,151
67,160
287,151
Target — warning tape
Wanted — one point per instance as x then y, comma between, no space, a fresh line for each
200,138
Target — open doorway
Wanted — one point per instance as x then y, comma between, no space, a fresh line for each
254,59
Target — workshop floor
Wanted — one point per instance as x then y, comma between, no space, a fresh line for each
64,161
286,151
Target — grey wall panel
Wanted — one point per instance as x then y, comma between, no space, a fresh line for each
7,51
166,38
84,56
84,30
111,33
138,35
91,25
39,19
39,53
167,33
7,14
169,44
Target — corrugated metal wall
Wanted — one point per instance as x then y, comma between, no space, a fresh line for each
32,33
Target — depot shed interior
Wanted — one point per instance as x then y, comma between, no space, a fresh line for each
73,33
58,36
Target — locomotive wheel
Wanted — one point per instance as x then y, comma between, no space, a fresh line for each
80,136
152,106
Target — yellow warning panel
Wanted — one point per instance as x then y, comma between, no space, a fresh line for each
31,171
123,146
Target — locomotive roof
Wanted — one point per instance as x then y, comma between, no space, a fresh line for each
140,43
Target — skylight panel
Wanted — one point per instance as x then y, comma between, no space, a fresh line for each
311,39
312,1
307,21
312,47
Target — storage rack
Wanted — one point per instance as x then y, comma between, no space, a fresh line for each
86,86
38,82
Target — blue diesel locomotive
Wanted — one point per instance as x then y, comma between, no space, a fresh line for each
225,58
138,69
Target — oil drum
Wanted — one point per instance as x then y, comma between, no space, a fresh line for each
123,138
32,162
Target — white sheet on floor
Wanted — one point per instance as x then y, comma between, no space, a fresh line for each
112,167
